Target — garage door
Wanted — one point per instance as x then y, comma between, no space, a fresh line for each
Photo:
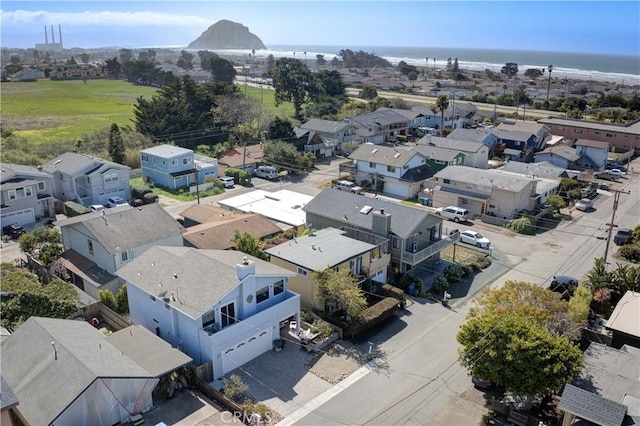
245,351
395,188
21,217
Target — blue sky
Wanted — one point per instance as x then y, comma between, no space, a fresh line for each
573,26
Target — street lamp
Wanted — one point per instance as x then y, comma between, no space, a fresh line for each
549,68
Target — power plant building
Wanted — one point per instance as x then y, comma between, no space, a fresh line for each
53,46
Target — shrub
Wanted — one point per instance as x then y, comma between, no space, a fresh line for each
524,225
140,191
630,252
122,302
242,177
71,209
149,198
235,389
108,299
440,284
453,273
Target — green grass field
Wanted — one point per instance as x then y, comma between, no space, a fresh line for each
46,110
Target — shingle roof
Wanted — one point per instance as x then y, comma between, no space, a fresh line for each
525,127
542,169
512,135
323,249
10,171
487,177
562,151
166,151
325,126
632,128
459,144
219,235
334,204
592,407
71,163
197,278
8,399
380,117
437,153
474,135
47,379
592,143
124,228
389,156
420,173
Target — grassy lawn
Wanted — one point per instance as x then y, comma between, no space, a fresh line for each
466,257
267,98
180,195
46,110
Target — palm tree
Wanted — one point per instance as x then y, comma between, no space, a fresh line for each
442,103
549,68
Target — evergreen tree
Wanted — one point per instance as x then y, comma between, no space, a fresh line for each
116,145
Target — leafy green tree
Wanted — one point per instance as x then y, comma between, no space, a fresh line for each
126,55
113,67
625,278
84,57
442,103
185,61
122,301
598,277
331,83
579,304
57,299
280,129
456,66
556,202
533,73
205,59
379,102
116,145
293,82
368,92
517,353
320,60
247,243
222,70
340,289
510,69
280,152
42,243
107,298
270,65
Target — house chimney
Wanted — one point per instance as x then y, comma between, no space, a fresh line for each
381,223
245,268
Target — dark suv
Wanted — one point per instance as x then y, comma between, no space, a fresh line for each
623,236
565,285
13,230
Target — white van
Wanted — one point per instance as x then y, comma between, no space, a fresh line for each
454,213
345,185
227,181
266,172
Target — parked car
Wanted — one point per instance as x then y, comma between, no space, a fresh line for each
616,166
623,236
475,239
584,204
96,207
482,383
565,285
345,185
227,181
13,231
616,172
266,172
454,213
116,202
605,175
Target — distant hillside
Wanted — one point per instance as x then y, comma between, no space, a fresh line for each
227,35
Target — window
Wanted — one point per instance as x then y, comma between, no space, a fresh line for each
278,288
469,185
153,299
41,186
186,161
111,177
228,314
144,158
446,181
12,194
577,130
127,255
90,246
372,165
302,272
391,169
174,162
262,294
164,162
208,318
610,135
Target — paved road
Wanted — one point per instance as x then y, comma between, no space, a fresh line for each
429,100
421,381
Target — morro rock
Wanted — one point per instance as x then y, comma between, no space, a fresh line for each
227,35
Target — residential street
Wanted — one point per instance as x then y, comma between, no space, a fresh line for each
421,381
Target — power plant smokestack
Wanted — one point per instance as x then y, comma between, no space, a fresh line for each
60,35
53,36
46,36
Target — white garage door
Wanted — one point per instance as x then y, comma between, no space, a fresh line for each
245,351
21,217
395,188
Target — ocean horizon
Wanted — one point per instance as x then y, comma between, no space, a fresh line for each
586,66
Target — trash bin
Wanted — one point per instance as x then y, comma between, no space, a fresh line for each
425,201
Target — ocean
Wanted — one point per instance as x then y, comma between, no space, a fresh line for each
600,67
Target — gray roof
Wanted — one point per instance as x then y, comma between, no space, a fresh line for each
148,350
409,114
323,249
336,205
389,156
8,399
197,278
123,228
71,163
592,143
11,171
325,126
423,110
474,135
46,386
380,117
459,144
438,153
592,407
542,169
512,135
562,151
632,128
166,151
487,177
526,127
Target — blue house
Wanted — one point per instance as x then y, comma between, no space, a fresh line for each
173,167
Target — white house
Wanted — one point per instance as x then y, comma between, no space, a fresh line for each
595,151
476,153
218,306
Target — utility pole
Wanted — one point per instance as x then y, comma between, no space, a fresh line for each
616,198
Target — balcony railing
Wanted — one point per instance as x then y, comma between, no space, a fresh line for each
427,252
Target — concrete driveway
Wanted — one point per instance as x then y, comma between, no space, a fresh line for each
189,408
